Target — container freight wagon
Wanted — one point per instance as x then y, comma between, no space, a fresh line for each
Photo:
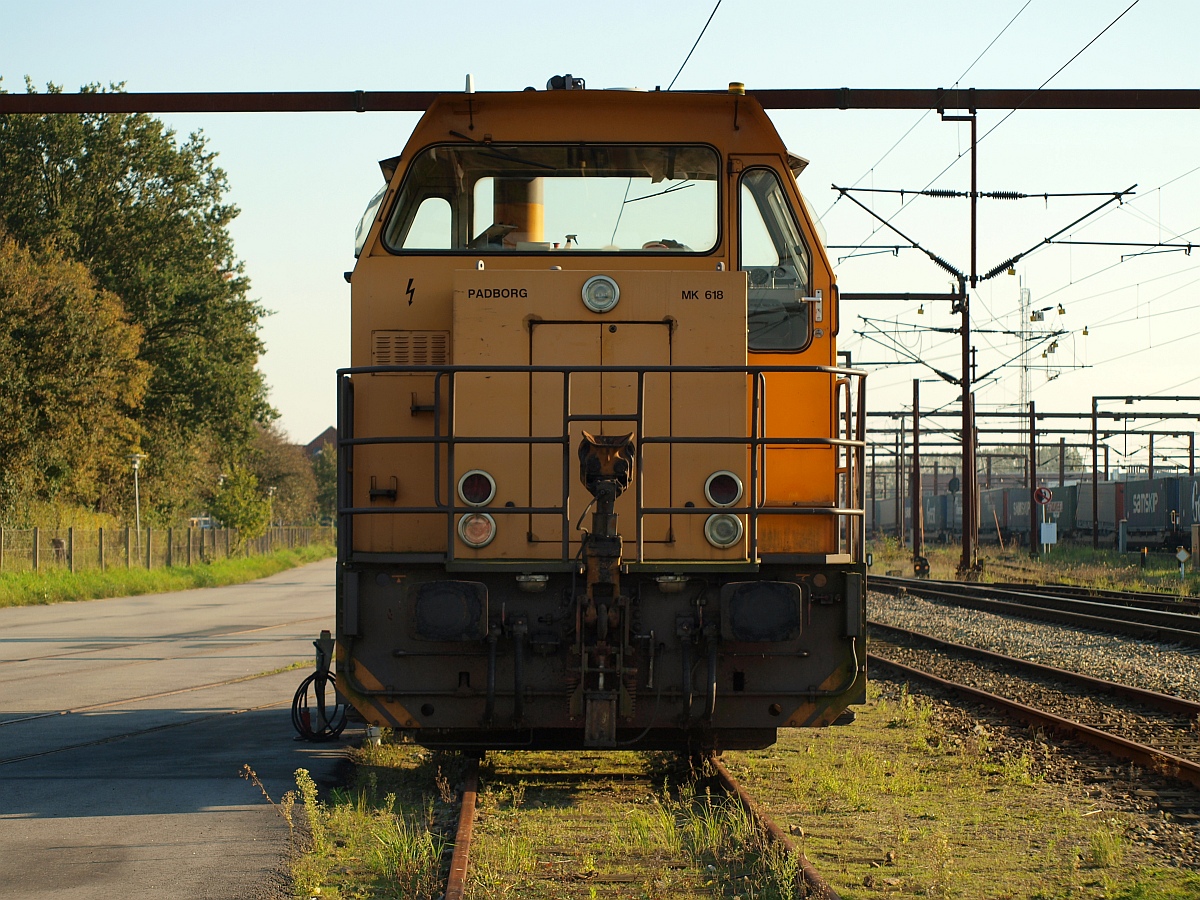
1112,509
993,514
1160,511
1189,504
1061,510
1149,509
881,516
943,517
934,509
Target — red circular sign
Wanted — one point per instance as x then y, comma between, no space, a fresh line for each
1042,496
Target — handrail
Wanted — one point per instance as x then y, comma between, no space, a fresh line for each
848,507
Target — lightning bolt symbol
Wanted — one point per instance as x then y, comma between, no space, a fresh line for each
409,290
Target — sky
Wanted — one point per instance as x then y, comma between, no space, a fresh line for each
302,180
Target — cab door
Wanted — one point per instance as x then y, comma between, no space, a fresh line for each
774,251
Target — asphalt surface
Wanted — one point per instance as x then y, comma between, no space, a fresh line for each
124,725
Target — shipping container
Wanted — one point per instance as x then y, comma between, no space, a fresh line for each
1148,509
1062,509
993,514
1112,505
1189,502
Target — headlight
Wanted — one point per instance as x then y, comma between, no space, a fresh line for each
477,488
723,488
600,293
477,529
723,530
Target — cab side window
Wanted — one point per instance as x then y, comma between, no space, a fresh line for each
777,264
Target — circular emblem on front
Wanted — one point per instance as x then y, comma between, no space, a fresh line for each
600,293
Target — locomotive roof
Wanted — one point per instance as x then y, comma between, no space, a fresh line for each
733,123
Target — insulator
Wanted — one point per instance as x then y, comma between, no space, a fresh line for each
1006,195
942,192
945,265
1000,268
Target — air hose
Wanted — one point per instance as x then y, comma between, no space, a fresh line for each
329,721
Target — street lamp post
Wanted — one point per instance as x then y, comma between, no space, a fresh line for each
136,460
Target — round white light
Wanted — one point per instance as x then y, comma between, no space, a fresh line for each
600,293
477,529
723,530
477,488
723,488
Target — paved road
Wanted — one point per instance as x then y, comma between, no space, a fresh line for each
124,724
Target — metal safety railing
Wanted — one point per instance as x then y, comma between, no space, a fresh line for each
846,390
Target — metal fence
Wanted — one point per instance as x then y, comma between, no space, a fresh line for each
77,549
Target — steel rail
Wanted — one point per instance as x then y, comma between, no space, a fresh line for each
817,886
456,882
1143,599
96,102
1148,757
1051,599
1165,702
1060,610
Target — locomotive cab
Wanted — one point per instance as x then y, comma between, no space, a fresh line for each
600,476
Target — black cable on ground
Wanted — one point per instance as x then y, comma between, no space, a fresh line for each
331,720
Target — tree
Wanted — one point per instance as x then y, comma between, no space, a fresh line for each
1015,458
281,466
324,465
71,381
238,503
146,215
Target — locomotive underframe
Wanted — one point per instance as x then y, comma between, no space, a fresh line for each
524,678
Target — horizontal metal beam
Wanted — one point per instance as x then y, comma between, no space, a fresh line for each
1107,415
903,296
977,98
220,102
419,101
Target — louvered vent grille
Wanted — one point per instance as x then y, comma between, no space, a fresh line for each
410,348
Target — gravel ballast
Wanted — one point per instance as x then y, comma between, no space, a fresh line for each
1157,667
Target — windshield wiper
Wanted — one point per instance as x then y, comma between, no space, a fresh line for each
670,190
500,154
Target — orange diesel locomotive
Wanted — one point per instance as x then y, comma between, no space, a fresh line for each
600,475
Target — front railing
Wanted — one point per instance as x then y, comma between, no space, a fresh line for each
848,441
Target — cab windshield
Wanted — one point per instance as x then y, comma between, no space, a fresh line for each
478,198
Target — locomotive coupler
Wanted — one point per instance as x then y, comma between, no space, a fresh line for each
605,465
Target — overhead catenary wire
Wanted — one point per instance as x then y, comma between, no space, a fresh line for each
694,46
923,115
1032,93
1059,70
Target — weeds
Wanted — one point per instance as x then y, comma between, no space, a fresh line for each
910,712
1106,847
286,804
355,838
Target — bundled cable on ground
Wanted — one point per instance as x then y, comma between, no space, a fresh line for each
330,721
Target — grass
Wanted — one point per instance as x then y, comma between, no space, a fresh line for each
903,806
382,835
900,805
548,826
57,586
1064,564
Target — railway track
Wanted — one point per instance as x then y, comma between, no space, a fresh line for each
807,881
1046,603
1137,599
1153,730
